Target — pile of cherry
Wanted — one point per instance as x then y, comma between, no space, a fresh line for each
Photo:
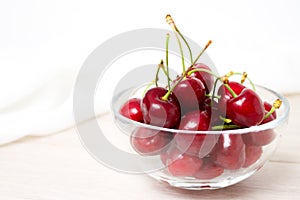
189,103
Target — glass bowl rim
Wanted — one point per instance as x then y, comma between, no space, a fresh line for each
270,125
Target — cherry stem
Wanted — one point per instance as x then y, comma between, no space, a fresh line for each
166,72
200,54
167,59
244,77
166,96
176,31
147,87
186,43
276,105
156,75
226,120
221,127
202,70
181,52
209,95
230,90
269,113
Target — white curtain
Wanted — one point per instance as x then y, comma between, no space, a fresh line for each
44,43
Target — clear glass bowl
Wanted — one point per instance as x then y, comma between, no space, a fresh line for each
198,160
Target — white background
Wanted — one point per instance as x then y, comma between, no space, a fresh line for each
44,43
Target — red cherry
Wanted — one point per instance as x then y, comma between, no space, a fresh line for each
190,93
132,109
253,153
209,170
159,112
246,109
147,141
268,107
229,152
206,78
195,144
180,164
226,95
261,138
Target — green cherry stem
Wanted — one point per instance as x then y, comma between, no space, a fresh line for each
226,120
276,105
171,22
230,90
147,87
186,43
181,52
225,83
202,70
200,54
244,76
167,59
216,96
166,96
166,73
157,72
221,127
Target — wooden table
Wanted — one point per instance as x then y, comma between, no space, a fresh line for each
58,167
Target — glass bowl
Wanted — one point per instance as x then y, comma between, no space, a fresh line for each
198,160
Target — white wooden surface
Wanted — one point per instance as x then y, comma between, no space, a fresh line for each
58,167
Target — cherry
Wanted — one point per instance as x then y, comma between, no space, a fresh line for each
195,144
253,153
206,78
209,170
180,164
229,152
158,111
147,141
190,93
260,138
265,137
246,109
226,94
132,109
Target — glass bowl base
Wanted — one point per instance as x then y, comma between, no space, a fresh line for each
196,184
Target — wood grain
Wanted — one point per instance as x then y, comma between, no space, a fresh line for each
57,167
